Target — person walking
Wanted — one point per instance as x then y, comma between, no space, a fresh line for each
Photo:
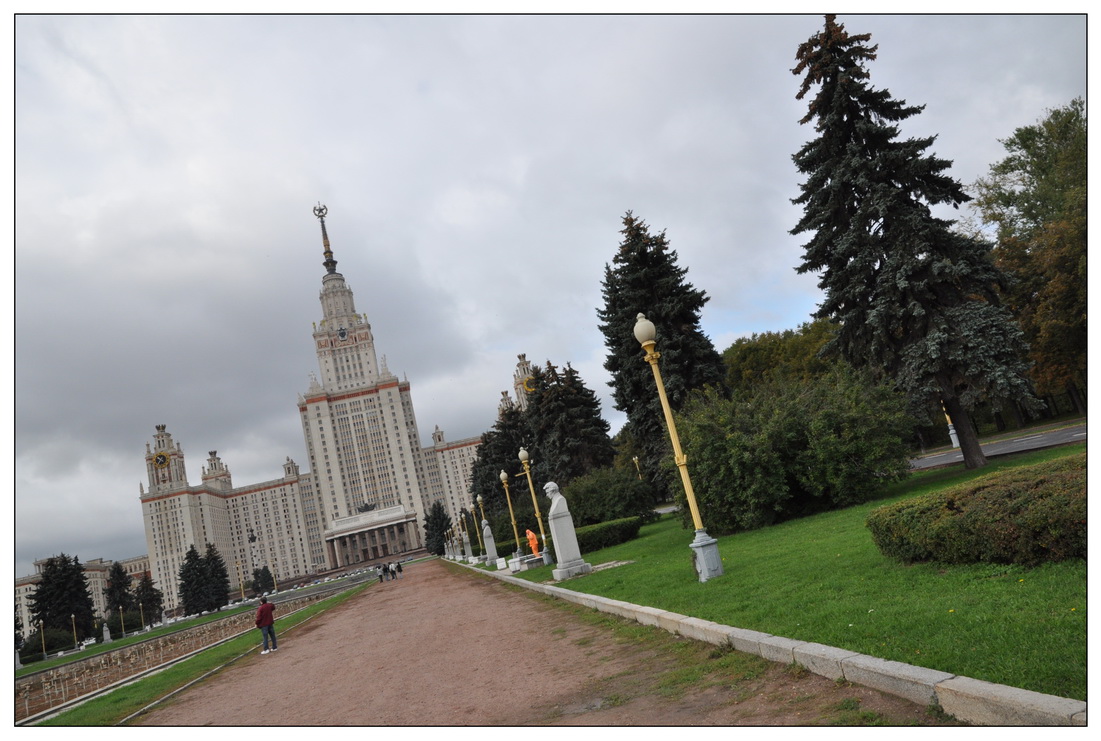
265,621
398,567
379,569
393,571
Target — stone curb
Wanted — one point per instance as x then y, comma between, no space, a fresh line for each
969,700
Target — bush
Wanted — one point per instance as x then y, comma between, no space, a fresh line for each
56,640
791,448
590,538
608,494
606,534
1024,516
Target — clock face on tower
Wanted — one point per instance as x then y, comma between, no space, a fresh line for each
160,460
342,333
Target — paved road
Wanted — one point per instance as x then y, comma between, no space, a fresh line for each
1028,441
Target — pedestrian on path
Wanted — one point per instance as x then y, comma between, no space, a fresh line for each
265,621
398,567
379,569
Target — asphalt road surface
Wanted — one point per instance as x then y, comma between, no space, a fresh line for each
1027,441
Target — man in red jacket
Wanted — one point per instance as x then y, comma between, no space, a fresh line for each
265,621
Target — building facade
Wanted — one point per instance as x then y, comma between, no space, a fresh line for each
96,571
369,484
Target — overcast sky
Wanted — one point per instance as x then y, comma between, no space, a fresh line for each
476,170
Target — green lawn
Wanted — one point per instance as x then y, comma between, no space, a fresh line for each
822,579
113,707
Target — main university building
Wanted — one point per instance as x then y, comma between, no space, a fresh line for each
369,483
363,500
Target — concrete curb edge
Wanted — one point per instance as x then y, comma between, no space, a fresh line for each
969,700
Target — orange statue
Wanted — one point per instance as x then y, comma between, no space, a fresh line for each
533,541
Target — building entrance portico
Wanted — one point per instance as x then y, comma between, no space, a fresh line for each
366,537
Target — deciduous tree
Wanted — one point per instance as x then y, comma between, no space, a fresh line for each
1036,197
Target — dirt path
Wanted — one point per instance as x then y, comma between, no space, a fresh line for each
440,648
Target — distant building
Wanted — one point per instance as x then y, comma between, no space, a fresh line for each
369,485
363,500
95,574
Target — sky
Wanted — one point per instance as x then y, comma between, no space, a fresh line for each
476,171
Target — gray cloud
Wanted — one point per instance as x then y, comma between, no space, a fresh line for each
476,169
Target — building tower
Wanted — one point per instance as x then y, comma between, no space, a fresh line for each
361,438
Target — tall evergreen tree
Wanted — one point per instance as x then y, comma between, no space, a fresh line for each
150,599
569,436
436,524
216,576
192,577
62,598
117,593
911,298
262,580
1036,197
498,452
644,277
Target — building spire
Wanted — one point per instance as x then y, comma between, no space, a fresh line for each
330,264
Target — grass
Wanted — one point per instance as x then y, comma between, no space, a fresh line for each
822,579
114,707
99,648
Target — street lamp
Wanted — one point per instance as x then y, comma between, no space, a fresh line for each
76,643
538,518
515,532
42,633
708,562
478,530
141,611
639,470
122,622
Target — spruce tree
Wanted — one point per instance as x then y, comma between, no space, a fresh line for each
262,580
117,592
912,299
498,452
192,583
62,598
436,524
216,577
644,277
149,598
569,436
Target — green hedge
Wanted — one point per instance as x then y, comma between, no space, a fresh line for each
1025,516
589,538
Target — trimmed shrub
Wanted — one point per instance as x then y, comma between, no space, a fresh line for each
590,538
1024,516
606,534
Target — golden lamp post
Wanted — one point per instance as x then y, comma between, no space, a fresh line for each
478,532
76,643
122,622
141,611
539,518
515,532
706,549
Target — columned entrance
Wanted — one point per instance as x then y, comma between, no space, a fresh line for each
365,538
